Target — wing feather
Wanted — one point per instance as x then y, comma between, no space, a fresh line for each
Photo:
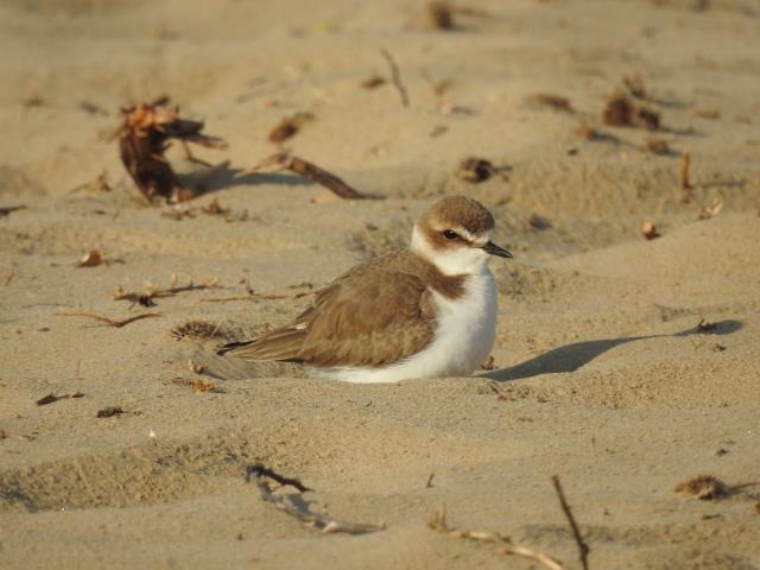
376,314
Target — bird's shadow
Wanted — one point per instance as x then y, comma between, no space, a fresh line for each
571,357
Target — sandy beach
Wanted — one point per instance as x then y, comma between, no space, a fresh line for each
623,365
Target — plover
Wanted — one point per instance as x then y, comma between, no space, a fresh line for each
425,312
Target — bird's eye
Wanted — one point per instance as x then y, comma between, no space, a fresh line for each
450,235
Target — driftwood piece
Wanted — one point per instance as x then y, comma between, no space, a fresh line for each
503,543
260,473
144,137
286,161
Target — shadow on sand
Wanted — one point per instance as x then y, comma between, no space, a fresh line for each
571,357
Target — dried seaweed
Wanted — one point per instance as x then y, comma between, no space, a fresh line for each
145,135
621,111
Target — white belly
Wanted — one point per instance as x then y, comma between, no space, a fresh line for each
463,340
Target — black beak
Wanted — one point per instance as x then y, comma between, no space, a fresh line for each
493,249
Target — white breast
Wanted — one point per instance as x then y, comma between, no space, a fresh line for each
464,338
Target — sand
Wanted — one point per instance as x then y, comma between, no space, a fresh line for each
602,373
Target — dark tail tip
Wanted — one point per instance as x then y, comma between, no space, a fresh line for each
231,346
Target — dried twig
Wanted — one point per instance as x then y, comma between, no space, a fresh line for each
504,544
684,183
154,291
259,473
113,322
582,546
396,77
98,186
286,161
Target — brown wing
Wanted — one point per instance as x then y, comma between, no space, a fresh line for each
376,314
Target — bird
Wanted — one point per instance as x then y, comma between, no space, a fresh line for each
428,311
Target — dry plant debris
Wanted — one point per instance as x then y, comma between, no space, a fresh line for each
703,487
706,326
712,209
33,101
154,291
709,488
145,135
110,412
197,329
684,181
503,543
260,475
621,111
557,102
251,295
116,323
658,145
489,363
51,398
635,86
440,15
649,231
474,169
214,208
711,114
199,385
588,132
373,82
289,127
539,222
396,77
93,258
286,161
